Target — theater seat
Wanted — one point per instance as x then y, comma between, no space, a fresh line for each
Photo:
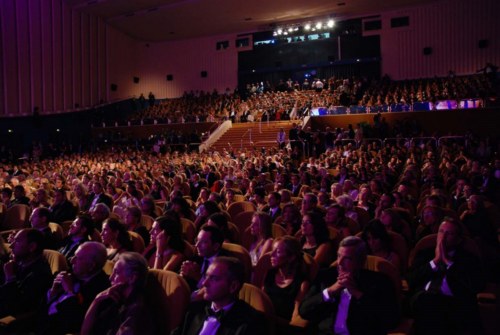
167,294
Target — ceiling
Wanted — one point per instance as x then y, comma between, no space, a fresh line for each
162,20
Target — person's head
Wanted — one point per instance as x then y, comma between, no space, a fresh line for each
274,199
114,234
313,224
131,271
450,233
309,202
40,218
19,191
89,259
148,206
80,190
351,255
386,201
209,241
262,225
345,201
27,244
219,220
334,214
41,195
431,215
286,195
475,203
6,194
376,236
223,280
100,212
97,188
390,219
208,208
133,216
59,196
286,252
82,226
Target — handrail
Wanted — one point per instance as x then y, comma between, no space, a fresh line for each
413,139
367,140
250,136
451,137
396,139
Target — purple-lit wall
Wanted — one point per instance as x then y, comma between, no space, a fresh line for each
51,57
56,58
184,60
452,28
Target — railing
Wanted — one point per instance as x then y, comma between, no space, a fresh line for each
466,143
249,131
424,138
396,140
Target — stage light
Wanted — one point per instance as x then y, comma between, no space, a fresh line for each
280,31
290,29
330,23
319,25
307,26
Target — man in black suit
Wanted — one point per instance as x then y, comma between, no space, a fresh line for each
72,293
62,209
274,200
79,232
99,197
27,279
445,281
221,312
20,197
40,218
209,175
208,246
348,299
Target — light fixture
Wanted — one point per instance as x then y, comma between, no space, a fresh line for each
319,25
330,23
307,26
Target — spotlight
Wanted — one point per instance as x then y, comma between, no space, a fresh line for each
307,27
319,25
296,29
330,23
290,29
285,33
280,31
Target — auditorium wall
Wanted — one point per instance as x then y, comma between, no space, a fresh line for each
451,29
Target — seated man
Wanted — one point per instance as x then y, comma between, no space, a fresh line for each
348,299
79,232
72,293
221,312
27,277
40,218
208,246
445,281
20,197
62,209
122,309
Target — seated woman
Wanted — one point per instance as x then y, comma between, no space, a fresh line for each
133,216
430,220
158,191
83,199
115,237
229,198
169,253
202,197
379,242
335,218
290,219
315,239
285,283
261,231
122,309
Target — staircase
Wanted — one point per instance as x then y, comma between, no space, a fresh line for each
250,135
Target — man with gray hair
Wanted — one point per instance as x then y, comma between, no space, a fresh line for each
72,293
348,299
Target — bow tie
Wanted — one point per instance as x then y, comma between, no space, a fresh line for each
210,312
